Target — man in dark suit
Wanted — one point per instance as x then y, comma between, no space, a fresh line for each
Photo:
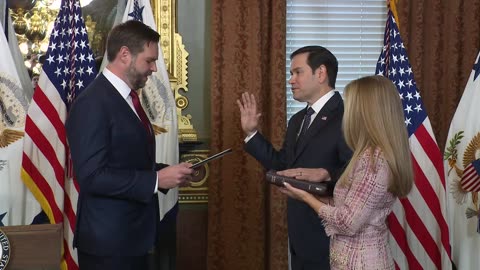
313,149
113,152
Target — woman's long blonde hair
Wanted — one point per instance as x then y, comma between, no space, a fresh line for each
373,119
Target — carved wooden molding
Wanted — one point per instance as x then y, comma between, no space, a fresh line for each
176,61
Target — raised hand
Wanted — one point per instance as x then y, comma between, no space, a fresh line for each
249,115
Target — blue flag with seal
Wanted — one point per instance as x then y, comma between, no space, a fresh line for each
17,204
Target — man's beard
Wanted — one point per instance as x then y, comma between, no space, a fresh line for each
136,78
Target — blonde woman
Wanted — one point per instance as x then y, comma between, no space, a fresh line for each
379,172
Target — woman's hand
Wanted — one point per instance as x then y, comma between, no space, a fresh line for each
298,194
295,193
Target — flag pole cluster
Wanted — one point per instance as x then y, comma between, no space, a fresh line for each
69,67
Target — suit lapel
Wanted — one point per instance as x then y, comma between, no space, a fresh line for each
292,133
131,117
328,113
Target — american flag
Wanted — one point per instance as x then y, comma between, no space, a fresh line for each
419,235
69,67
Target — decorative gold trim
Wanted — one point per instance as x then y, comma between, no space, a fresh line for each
191,199
197,192
176,62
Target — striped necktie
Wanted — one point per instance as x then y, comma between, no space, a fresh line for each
306,120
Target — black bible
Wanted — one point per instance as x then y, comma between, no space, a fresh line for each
322,188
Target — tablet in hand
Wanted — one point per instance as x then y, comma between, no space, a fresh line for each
218,155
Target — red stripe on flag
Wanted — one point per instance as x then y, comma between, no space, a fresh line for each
430,148
51,113
471,182
69,211
44,188
421,232
469,175
476,187
77,186
44,146
432,201
71,265
468,178
400,237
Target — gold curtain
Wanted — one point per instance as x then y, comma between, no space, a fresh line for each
442,40
246,217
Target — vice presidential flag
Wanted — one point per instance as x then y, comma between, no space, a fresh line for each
418,227
159,104
68,69
17,56
17,205
462,166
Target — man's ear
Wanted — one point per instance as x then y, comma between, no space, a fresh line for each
124,55
321,73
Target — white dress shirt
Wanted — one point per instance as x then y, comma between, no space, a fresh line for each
318,105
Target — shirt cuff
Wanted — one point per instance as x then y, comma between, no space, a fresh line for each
250,136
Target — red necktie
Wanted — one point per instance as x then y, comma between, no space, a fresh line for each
140,111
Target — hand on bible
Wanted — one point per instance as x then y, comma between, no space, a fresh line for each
313,175
175,175
248,113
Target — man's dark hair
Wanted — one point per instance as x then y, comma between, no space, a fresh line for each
132,34
317,56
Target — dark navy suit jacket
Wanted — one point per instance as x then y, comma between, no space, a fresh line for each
322,146
114,163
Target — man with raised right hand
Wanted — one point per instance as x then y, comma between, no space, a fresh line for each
313,149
